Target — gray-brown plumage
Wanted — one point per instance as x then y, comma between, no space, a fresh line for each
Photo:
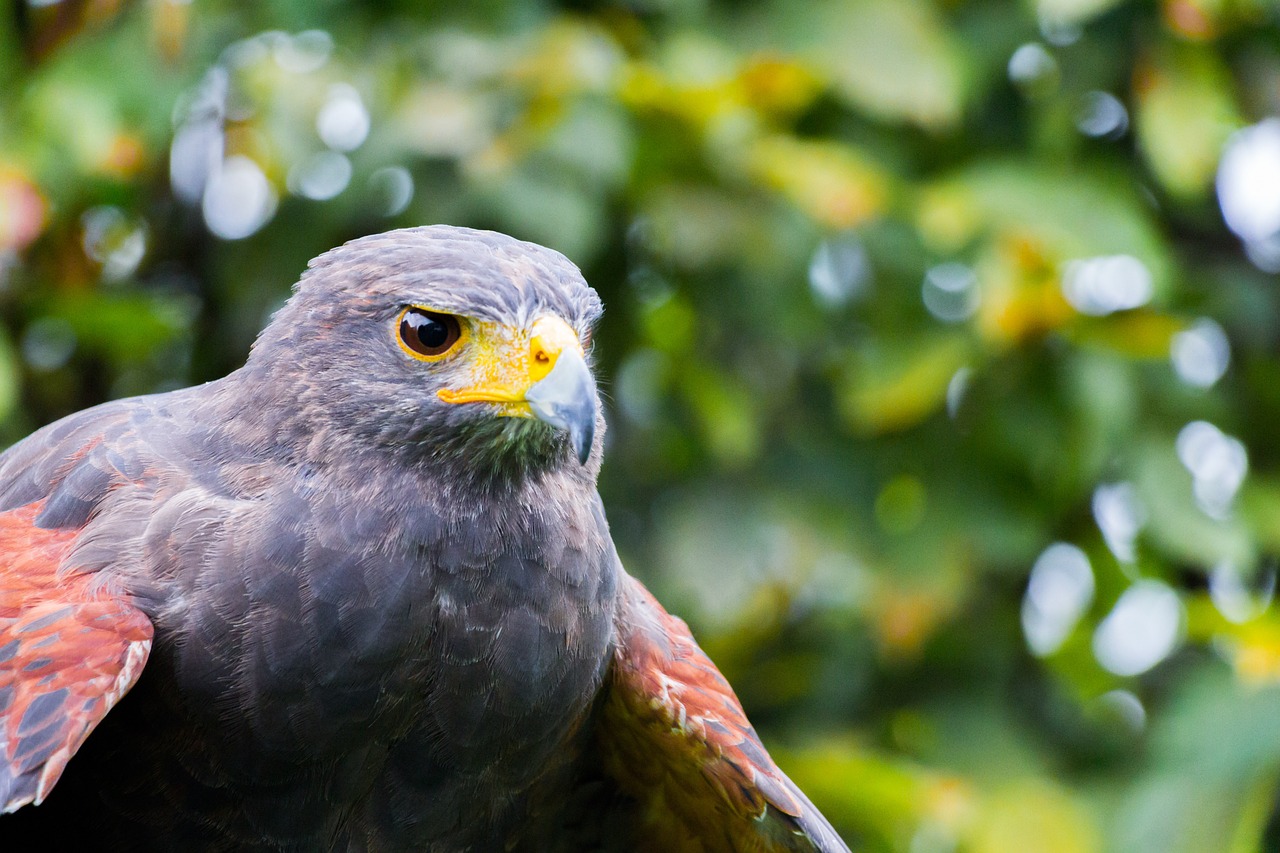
377,590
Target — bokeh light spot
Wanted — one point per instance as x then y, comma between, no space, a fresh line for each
343,121
1106,284
1119,513
1034,70
1249,190
1200,353
1122,706
1142,629
1102,116
238,200
199,142
1059,591
957,387
111,239
48,343
392,190
321,176
950,292
1238,598
1218,464
839,271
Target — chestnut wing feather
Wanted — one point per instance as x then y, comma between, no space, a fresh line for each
676,740
70,645
68,652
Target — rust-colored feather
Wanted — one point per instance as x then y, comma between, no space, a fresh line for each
676,739
69,649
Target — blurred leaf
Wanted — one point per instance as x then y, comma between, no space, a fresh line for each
123,328
890,388
1176,524
1252,647
881,801
905,618
762,537
568,57
1138,334
547,206
1069,215
892,58
694,78
9,378
671,324
1185,114
726,414
594,140
1213,754
1071,12
1032,817
170,23
695,227
828,181
778,85
1021,291
1259,504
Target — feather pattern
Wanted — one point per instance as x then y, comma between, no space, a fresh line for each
69,650
675,738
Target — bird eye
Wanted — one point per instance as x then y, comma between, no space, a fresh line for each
427,333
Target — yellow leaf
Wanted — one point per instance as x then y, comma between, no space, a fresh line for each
1185,114
1021,293
827,180
1139,334
889,391
776,84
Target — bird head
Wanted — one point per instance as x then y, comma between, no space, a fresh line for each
449,342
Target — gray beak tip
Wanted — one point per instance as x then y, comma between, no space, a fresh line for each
566,399
582,440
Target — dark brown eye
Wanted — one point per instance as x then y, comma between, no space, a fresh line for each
427,333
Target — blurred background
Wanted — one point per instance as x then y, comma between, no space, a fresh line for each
940,350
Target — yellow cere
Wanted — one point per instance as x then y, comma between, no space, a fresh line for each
507,362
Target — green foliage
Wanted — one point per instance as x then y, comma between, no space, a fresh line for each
900,293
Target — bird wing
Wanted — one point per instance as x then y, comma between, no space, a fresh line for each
675,739
70,646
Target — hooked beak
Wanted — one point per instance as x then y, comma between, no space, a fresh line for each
550,382
566,399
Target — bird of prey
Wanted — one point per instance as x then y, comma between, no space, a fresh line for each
360,595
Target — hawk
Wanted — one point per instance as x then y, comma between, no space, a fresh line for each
360,595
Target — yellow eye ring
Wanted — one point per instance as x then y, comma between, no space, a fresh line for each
428,335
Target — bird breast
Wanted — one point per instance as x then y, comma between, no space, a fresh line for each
455,654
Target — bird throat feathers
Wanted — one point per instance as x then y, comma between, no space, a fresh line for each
501,452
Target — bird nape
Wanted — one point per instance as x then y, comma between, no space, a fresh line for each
360,594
